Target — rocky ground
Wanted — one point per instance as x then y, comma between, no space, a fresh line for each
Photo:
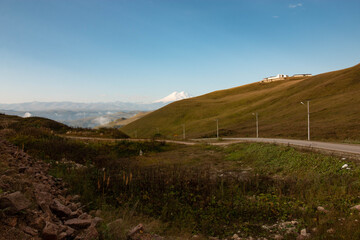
35,205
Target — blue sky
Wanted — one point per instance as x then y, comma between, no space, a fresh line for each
142,50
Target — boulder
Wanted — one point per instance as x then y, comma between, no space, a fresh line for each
84,216
29,230
50,231
43,199
14,202
89,234
78,223
59,209
138,229
96,221
356,207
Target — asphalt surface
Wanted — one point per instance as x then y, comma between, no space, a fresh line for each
353,149
336,147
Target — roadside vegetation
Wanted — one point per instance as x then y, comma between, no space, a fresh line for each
248,189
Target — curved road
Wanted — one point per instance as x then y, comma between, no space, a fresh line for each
334,147
340,148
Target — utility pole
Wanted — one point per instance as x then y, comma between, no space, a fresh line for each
257,123
184,136
308,117
217,128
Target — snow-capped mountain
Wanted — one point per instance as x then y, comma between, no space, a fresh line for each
175,96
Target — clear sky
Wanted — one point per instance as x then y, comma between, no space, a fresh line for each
142,50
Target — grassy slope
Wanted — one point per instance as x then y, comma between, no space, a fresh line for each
335,105
121,122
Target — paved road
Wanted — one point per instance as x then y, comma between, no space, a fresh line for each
352,149
127,139
336,147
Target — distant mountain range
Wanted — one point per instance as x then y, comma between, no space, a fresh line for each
96,106
86,115
74,106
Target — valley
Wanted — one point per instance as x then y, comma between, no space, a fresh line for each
201,191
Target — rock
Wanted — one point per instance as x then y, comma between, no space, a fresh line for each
70,231
96,221
303,232
50,231
138,229
10,221
195,237
98,213
303,235
356,207
322,209
75,198
89,234
38,223
78,223
31,231
235,236
76,214
62,235
72,206
14,202
278,237
59,209
84,216
43,199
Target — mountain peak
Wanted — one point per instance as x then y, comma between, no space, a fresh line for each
175,96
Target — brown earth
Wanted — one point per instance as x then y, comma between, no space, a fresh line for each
36,205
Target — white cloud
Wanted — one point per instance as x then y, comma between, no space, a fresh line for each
102,120
27,114
295,5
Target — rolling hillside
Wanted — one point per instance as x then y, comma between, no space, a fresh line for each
123,121
334,107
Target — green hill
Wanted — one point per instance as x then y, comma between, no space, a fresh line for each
15,122
334,107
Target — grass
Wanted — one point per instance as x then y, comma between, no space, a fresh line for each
261,184
202,189
334,107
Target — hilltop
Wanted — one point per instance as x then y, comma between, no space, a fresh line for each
334,107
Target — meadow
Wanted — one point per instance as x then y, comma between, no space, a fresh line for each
178,191
334,110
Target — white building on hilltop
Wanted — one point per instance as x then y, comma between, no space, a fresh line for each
280,77
275,78
302,75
